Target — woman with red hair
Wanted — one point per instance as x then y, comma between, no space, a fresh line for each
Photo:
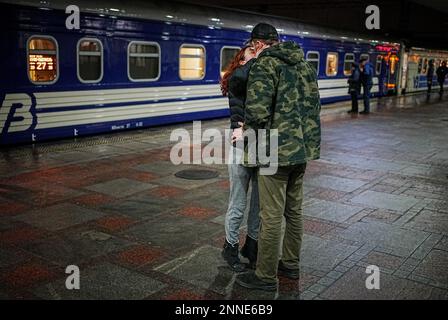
233,85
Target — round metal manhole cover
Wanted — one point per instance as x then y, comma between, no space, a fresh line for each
196,174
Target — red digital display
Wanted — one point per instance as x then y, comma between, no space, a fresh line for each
40,62
385,48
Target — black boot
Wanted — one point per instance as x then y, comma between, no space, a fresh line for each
250,251
230,254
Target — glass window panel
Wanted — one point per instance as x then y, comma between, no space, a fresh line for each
144,61
227,54
315,65
192,62
90,62
313,59
143,68
313,56
424,66
90,68
42,44
143,48
89,46
199,51
332,64
379,60
365,55
349,59
42,60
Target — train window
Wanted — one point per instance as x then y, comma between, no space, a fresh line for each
313,58
424,66
420,65
42,59
90,60
364,55
348,60
332,64
191,62
143,61
227,54
379,62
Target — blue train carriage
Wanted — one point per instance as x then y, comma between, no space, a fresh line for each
415,68
144,65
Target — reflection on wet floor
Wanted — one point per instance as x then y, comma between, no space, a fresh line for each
112,205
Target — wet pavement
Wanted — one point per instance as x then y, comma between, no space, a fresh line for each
112,206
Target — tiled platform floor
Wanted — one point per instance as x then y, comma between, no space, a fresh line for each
112,206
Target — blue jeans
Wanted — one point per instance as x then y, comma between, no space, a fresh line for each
366,96
240,178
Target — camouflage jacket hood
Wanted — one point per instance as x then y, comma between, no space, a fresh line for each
282,94
289,52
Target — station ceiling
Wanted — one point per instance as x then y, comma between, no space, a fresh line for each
419,23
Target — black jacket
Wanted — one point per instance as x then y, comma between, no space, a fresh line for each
237,93
354,81
441,73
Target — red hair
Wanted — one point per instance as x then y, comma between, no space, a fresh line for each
233,64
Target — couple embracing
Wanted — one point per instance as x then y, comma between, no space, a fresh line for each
270,86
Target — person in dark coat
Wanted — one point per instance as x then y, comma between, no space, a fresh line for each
367,82
233,85
430,75
442,71
354,87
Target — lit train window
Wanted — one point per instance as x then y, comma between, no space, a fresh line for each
313,58
393,62
420,65
227,54
348,60
332,64
42,60
424,66
143,61
90,60
379,60
191,62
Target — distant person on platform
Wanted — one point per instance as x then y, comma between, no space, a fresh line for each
367,82
430,75
282,98
354,87
442,71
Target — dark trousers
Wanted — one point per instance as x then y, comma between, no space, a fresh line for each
366,96
429,86
354,95
441,85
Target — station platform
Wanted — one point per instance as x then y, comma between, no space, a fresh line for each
112,206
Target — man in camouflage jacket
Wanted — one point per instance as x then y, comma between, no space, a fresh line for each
282,94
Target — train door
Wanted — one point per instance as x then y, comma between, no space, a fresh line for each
413,73
391,76
412,80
